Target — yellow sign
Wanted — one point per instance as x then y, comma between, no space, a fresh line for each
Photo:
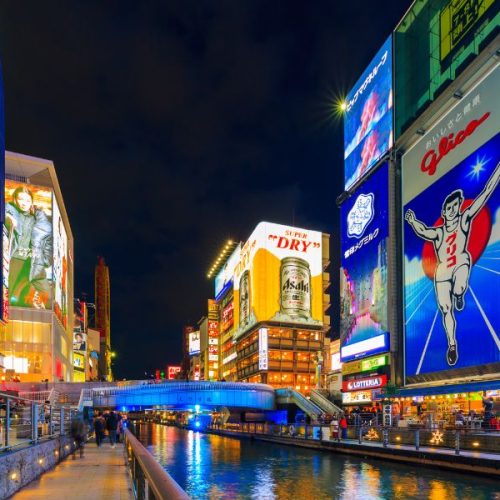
457,20
365,365
279,277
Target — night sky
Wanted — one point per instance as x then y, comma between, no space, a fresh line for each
175,125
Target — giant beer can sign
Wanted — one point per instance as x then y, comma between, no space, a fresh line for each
295,297
279,278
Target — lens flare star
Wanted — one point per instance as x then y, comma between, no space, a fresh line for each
476,169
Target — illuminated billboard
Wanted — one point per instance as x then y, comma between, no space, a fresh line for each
28,218
224,277
60,269
451,235
4,307
279,278
363,276
368,117
194,343
434,43
173,372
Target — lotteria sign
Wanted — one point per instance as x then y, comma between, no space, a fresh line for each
451,204
364,383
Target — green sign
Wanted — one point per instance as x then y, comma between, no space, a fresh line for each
373,363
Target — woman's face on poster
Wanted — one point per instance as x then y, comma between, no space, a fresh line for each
24,201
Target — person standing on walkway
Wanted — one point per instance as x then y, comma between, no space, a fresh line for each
111,425
99,427
343,426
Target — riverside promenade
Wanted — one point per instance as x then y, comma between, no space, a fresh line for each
101,474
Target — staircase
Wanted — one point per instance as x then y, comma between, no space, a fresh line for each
288,395
318,397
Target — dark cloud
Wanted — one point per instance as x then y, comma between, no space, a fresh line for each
174,125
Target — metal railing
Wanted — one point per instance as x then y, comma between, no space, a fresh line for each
458,439
25,421
150,480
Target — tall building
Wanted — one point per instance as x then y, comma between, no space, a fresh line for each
272,307
103,316
38,264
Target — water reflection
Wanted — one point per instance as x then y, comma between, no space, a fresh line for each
215,467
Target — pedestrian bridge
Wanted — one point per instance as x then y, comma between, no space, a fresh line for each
182,395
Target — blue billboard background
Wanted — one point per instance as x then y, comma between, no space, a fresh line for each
363,280
368,122
478,324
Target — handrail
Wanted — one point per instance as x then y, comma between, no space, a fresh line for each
164,487
302,402
324,403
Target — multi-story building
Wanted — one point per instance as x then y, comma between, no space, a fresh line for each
272,302
38,263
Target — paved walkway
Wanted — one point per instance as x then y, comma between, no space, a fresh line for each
101,474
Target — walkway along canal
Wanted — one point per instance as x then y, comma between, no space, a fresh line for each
222,467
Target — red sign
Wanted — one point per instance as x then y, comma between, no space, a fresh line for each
173,371
362,384
431,159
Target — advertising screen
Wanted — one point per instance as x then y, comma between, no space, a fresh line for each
194,343
225,276
28,218
60,269
363,276
434,43
279,278
4,308
451,235
368,117
79,341
173,372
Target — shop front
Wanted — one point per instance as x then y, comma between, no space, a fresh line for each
472,405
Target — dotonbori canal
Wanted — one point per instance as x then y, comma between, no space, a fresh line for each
214,467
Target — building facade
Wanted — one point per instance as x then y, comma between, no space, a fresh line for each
38,262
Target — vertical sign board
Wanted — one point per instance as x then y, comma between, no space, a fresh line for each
451,231
5,267
363,276
368,117
263,352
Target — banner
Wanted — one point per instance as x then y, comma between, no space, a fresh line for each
363,276
452,239
368,117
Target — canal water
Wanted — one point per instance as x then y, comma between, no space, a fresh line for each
215,467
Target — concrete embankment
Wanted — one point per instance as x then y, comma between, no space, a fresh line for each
474,462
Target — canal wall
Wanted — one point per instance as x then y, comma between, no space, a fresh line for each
21,466
470,462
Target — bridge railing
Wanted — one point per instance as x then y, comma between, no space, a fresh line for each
25,421
149,478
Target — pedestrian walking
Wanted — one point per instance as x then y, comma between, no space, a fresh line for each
78,433
99,427
112,425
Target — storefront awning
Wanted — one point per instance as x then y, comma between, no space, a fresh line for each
487,385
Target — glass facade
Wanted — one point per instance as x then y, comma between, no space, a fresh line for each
434,42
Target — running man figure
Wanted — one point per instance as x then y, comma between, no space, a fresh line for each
451,278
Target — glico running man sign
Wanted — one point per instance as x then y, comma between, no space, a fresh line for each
452,240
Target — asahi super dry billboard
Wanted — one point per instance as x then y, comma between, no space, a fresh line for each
279,278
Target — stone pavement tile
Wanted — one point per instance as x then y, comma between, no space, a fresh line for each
101,474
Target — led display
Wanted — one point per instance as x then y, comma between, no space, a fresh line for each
28,219
368,119
363,276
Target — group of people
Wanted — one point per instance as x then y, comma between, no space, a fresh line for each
110,422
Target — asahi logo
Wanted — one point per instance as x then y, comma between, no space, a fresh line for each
300,286
360,215
432,158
